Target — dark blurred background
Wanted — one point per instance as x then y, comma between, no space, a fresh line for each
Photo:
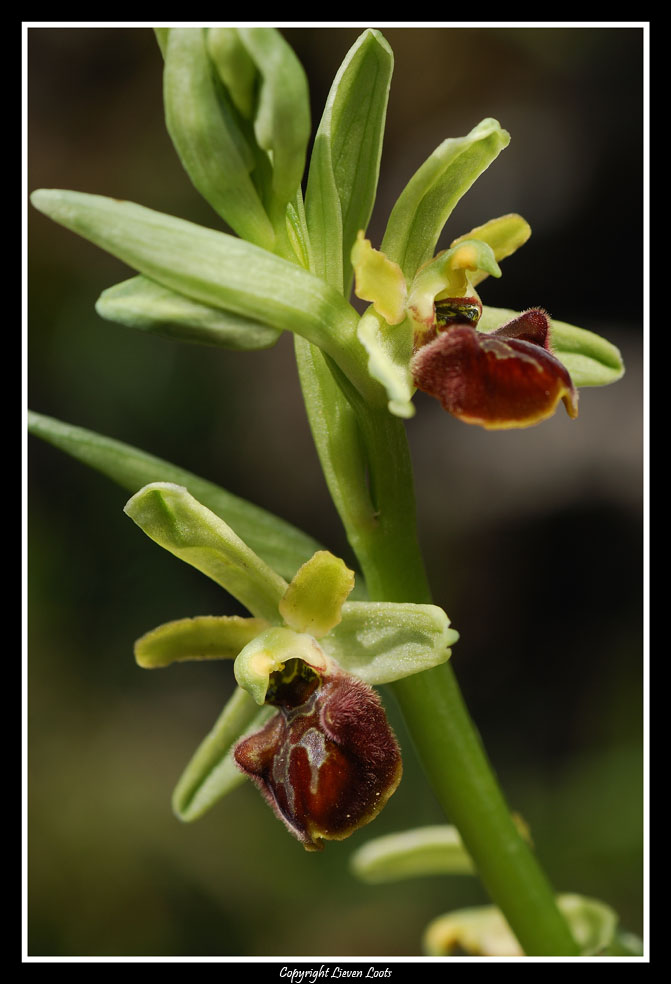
533,539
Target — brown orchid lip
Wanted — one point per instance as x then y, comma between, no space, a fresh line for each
505,379
326,763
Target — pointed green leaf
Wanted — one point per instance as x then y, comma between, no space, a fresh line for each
385,641
218,270
338,440
202,637
314,599
411,854
324,216
282,115
345,162
210,143
589,358
141,303
282,546
235,67
179,523
212,772
428,199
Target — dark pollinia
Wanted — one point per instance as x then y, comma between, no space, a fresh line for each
328,761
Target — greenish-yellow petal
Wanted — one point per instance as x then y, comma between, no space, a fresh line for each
314,599
202,637
379,280
449,274
505,235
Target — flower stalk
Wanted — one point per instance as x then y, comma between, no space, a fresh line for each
444,736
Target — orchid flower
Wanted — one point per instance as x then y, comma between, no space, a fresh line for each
430,333
304,722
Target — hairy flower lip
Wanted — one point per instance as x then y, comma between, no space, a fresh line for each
326,766
505,379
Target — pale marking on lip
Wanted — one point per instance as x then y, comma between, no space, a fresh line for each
314,744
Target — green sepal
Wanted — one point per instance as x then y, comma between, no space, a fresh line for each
208,139
176,521
278,543
235,67
269,652
385,641
389,350
314,599
483,931
142,303
219,270
345,162
212,772
202,637
282,110
427,201
590,359
412,854
379,280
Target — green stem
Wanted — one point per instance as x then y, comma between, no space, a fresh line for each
461,775
366,462
380,524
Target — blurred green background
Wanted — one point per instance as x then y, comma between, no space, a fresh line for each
533,539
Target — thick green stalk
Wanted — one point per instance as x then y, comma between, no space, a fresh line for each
456,763
380,523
